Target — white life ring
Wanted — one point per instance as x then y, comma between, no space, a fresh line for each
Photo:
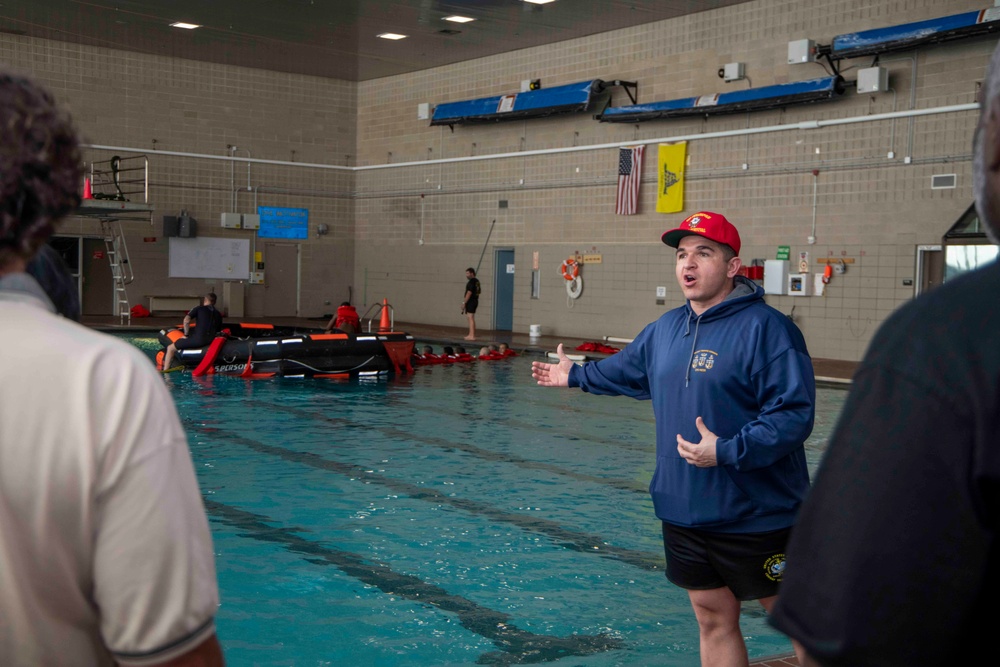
574,288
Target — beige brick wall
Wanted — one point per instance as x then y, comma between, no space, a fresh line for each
868,206
150,104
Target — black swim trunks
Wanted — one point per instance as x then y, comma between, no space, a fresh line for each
749,564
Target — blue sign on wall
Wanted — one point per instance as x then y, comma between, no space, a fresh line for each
283,223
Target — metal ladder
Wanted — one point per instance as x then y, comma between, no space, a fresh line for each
121,268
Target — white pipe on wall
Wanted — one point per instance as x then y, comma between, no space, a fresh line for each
803,125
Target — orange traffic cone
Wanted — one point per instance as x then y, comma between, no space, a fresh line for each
384,325
87,194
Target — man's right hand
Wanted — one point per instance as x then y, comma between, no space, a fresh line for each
553,375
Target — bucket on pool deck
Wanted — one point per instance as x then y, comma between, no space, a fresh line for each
535,330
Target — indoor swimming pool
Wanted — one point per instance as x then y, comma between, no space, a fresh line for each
457,516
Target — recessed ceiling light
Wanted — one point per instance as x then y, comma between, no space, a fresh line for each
459,19
391,35
539,2
186,26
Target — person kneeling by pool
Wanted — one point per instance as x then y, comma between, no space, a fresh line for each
207,323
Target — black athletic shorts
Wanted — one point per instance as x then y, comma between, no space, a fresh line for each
190,343
749,564
471,305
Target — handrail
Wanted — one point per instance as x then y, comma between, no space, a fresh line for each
378,308
116,178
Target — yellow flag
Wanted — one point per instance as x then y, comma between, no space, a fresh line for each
670,177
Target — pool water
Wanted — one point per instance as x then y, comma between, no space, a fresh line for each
457,516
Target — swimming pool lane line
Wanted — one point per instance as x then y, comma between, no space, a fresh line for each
478,452
568,539
516,646
647,448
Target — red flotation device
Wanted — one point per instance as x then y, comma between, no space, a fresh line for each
207,364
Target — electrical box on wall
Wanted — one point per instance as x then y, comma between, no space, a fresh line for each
873,80
732,71
251,221
801,51
232,221
256,277
775,276
798,284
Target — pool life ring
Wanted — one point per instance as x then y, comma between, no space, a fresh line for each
570,269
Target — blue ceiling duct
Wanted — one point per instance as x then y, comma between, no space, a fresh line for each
751,99
574,97
910,35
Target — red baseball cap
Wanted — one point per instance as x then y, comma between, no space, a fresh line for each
712,226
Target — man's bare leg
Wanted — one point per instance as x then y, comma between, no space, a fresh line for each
472,326
721,641
168,358
800,652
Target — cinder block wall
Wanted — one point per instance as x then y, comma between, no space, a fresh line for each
144,104
868,207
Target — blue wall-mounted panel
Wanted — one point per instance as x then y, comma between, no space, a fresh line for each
283,223
750,99
910,35
533,103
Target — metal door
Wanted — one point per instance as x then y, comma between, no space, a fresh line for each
281,280
503,291
98,284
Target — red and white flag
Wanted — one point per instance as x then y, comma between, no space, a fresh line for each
629,176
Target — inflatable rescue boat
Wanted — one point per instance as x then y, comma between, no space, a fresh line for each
265,350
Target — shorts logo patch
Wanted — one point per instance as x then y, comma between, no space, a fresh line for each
774,567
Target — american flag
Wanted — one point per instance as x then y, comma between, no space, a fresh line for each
629,175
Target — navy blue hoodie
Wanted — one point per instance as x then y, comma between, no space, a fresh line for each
743,367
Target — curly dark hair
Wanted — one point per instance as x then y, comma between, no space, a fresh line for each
40,167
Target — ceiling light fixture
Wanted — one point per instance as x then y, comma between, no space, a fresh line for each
539,2
459,19
186,26
391,35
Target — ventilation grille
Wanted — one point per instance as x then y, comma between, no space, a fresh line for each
943,181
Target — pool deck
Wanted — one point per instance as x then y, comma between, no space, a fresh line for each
829,372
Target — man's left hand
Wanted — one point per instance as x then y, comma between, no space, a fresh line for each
701,454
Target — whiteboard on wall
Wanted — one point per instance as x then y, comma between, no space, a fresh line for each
206,257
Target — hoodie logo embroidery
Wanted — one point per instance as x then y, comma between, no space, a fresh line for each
703,360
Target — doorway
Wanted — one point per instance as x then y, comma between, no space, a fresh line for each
98,292
281,279
503,290
930,268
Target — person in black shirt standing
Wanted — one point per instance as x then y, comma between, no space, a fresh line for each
470,302
207,323
894,560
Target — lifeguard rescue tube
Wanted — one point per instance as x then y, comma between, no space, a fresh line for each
570,269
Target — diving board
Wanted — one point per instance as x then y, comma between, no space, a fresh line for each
751,99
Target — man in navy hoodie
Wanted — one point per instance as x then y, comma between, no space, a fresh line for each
733,393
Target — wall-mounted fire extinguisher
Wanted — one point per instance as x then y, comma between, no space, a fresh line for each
827,274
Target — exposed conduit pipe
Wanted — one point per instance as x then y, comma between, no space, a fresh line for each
803,125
